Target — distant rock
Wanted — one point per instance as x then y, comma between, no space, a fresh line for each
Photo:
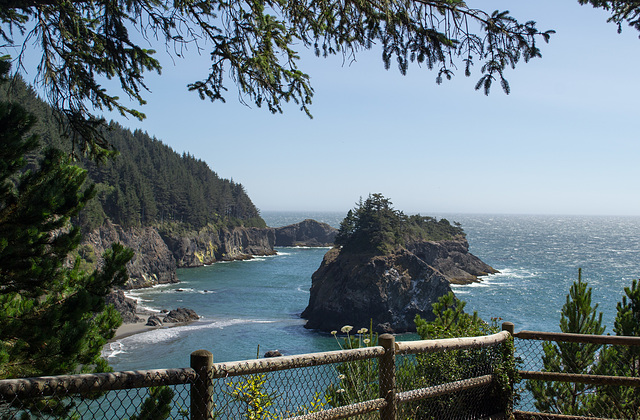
388,291
125,306
181,315
273,353
306,233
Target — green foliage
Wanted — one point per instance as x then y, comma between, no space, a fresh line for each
617,401
374,226
442,367
53,319
358,380
253,43
148,183
621,11
581,317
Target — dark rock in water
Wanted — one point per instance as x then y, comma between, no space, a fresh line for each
181,315
357,289
306,233
452,259
154,321
273,353
124,305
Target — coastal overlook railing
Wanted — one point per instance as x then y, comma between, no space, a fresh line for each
577,376
386,381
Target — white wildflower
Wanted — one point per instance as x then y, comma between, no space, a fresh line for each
366,341
363,331
342,377
334,332
346,329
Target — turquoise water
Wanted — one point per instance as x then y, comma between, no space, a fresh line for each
253,306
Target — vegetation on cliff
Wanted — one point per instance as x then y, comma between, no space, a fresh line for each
374,226
148,183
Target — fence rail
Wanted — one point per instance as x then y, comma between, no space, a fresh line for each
562,383
208,390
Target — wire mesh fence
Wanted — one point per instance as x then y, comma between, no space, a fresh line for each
117,395
442,379
578,376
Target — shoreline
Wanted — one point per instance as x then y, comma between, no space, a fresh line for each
133,328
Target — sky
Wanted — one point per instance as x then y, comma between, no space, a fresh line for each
564,141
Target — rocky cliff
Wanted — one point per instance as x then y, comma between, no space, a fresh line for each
388,290
157,256
152,262
306,233
195,249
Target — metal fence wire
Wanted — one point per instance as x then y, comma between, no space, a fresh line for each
433,379
578,376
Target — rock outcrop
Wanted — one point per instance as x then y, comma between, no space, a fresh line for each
388,290
452,259
207,246
181,315
157,256
306,233
153,263
126,306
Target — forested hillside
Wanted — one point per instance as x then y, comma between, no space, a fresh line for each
148,183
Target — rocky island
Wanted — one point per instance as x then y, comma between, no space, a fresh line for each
387,268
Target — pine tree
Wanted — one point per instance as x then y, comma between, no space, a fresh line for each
53,319
620,401
581,317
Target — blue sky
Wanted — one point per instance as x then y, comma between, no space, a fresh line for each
565,141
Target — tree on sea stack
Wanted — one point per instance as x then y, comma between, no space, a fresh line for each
53,319
254,44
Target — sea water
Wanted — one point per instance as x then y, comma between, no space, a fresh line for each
250,307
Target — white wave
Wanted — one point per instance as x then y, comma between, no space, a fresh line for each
112,349
160,335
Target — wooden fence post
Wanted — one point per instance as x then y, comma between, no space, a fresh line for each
202,388
387,376
508,326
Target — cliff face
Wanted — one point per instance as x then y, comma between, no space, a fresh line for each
209,245
306,233
152,263
157,257
390,290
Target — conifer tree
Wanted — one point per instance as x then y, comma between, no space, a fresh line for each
620,401
53,319
581,317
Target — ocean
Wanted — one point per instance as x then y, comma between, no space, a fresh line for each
250,307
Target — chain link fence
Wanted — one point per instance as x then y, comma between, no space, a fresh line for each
391,380
578,376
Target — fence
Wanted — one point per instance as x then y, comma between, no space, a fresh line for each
578,376
449,378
